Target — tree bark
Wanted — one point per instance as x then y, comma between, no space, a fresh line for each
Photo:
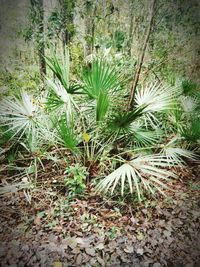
93,28
130,38
41,45
67,7
141,57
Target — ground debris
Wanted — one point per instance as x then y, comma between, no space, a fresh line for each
98,232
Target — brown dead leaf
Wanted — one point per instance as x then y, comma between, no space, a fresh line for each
140,236
70,241
129,249
37,220
80,240
156,264
79,259
101,261
75,251
100,246
140,251
147,263
84,242
57,264
167,233
90,251
93,262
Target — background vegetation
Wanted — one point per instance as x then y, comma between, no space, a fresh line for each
106,90
100,133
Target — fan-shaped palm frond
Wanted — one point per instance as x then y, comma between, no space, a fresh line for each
21,115
189,87
66,134
144,137
99,83
121,122
60,100
62,71
101,77
177,154
143,172
157,97
102,105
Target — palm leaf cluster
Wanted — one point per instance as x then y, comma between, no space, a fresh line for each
141,173
100,82
90,118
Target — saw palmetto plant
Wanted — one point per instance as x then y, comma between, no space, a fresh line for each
91,120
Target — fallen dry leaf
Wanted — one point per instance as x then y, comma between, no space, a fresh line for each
101,261
100,246
90,251
79,259
57,264
129,249
167,233
37,220
140,236
140,251
70,241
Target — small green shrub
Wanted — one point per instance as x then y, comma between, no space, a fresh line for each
75,179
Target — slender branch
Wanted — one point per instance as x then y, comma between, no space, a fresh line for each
141,57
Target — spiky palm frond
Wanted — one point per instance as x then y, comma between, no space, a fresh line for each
102,105
188,87
101,77
174,153
176,116
121,122
177,154
21,115
156,97
99,83
61,70
143,137
143,172
60,100
66,134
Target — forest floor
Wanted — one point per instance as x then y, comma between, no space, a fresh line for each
93,231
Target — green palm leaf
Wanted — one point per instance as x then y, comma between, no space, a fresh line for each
101,77
60,100
143,172
66,134
121,122
99,83
191,132
62,71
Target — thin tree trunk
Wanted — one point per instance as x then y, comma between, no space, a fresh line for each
130,38
41,46
141,58
93,32
93,27
87,47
